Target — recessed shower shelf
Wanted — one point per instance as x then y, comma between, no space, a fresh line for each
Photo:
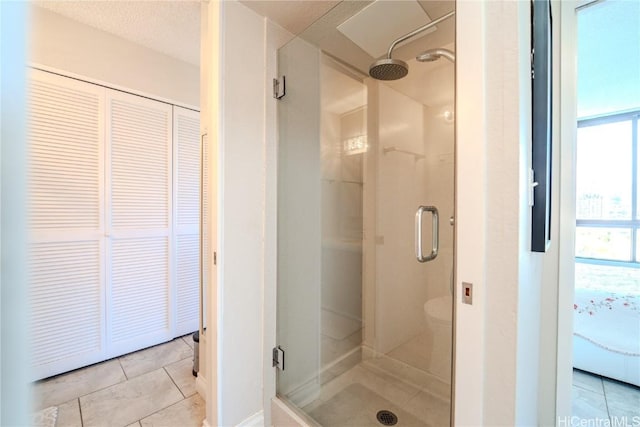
417,156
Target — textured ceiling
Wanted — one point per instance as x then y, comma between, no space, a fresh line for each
324,34
293,16
170,27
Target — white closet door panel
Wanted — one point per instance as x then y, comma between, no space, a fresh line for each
139,288
140,162
66,210
66,306
65,134
187,168
186,154
188,282
139,195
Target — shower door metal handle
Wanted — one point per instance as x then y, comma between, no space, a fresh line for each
434,234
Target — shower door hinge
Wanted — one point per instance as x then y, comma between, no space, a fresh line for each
279,88
215,258
278,358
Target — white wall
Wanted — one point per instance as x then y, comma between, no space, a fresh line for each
471,212
241,210
492,387
498,338
243,126
63,44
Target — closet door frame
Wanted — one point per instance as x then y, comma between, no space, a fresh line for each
105,234
181,229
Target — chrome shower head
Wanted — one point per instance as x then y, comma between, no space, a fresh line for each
435,54
394,69
388,69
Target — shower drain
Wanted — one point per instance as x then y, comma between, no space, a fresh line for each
387,418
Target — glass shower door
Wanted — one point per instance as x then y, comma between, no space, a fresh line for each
365,328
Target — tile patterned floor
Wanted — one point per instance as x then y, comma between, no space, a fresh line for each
151,387
353,398
601,398
155,387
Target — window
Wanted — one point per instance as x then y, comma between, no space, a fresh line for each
607,188
607,178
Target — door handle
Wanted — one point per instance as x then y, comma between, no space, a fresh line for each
435,241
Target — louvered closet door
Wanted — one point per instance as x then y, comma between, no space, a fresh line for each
139,219
186,175
66,154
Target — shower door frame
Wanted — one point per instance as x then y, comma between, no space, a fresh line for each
276,408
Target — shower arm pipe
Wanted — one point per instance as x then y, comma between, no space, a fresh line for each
418,31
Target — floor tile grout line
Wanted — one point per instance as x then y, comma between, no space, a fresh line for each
609,397
179,361
165,408
80,410
185,340
91,392
586,388
108,386
161,409
606,401
127,379
174,383
161,365
123,371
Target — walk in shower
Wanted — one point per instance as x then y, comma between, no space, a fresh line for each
366,215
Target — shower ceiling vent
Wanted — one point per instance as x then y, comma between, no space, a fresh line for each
380,23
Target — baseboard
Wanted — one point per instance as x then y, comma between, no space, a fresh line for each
201,387
256,420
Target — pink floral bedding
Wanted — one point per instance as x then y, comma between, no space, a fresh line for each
608,315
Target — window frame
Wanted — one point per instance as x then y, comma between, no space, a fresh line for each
634,223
